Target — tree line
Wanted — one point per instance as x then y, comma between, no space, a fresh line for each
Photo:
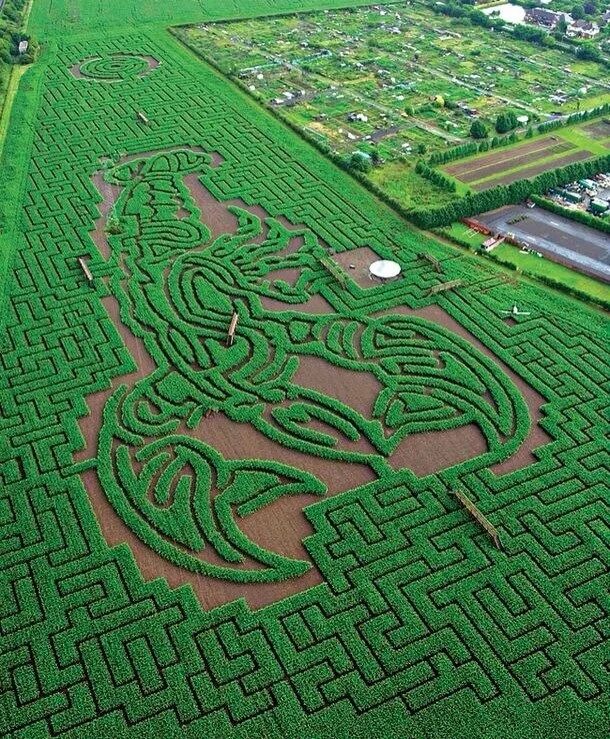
474,203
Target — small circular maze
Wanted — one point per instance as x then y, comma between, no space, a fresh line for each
114,67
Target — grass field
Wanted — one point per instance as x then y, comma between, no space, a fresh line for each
256,534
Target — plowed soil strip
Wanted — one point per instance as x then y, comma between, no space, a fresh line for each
516,161
523,174
501,156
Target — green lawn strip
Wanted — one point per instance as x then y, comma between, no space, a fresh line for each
16,72
16,148
578,136
463,234
542,267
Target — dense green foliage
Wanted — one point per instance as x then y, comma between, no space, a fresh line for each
506,122
419,626
60,17
478,130
11,34
436,176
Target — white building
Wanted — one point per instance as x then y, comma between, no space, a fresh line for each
582,29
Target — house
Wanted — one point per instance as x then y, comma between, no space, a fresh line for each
23,46
582,29
546,18
605,19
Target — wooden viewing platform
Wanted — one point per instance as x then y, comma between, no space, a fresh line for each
479,517
444,286
85,267
232,327
334,270
433,260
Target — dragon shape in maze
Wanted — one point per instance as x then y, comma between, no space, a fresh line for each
177,290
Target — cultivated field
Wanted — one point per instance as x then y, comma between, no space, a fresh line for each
228,459
530,158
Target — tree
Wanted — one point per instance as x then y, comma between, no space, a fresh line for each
478,130
589,51
577,12
360,162
506,122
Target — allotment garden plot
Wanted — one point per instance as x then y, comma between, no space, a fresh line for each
395,81
230,461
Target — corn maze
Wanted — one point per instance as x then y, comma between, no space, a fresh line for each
145,463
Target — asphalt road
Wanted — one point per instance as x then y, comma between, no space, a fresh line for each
559,238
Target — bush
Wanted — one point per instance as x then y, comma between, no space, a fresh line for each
478,130
506,122
359,162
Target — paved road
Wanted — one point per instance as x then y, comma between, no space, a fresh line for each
561,239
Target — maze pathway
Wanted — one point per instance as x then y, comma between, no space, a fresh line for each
416,613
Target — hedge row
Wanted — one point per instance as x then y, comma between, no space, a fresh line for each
496,197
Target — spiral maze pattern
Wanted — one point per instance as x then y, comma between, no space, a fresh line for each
114,67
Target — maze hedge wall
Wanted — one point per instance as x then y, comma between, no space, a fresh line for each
420,626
